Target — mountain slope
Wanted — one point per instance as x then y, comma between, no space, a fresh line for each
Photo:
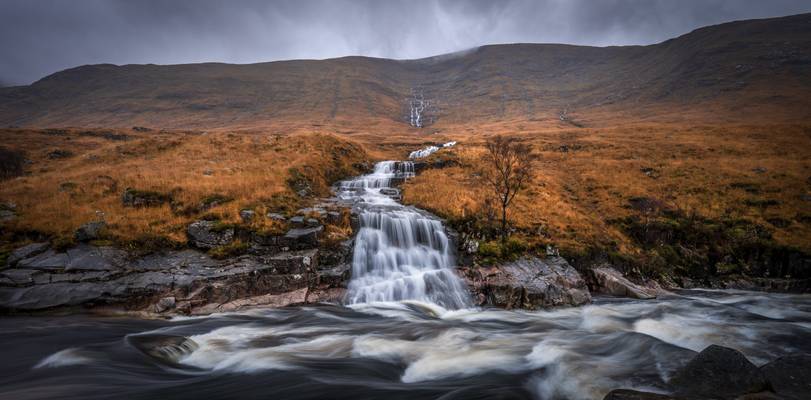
756,69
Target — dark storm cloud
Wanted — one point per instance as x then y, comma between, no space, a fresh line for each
39,37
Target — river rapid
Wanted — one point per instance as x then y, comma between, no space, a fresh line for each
407,330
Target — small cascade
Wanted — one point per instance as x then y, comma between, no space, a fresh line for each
400,253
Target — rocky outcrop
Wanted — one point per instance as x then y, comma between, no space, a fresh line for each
529,283
718,372
279,270
90,231
209,234
143,198
606,280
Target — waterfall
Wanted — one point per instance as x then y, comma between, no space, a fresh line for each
400,253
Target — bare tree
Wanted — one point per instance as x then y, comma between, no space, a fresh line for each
507,165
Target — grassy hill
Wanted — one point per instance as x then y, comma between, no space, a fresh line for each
685,158
753,70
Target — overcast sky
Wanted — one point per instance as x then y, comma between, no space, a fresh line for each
39,37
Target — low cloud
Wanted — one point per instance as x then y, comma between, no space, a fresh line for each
41,37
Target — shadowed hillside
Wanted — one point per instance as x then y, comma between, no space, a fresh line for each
758,70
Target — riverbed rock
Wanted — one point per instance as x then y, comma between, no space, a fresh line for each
718,372
175,281
528,283
26,251
90,231
790,376
609,281
165,304
627,394
207,234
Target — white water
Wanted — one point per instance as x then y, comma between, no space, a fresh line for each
427,151
400,252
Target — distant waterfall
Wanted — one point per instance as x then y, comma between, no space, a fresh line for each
400,252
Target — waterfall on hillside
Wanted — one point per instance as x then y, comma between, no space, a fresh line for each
400,252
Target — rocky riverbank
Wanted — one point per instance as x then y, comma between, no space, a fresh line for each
297,266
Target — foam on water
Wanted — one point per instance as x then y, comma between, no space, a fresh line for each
400,252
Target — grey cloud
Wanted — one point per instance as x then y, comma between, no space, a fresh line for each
39,37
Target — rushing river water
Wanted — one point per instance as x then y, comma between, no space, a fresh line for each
407,332
396,350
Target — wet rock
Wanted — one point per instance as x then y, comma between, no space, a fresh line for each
165,348
790,376
611,282
26,251
90,231
209,234
529,283
247,215
165,304
391,192
627,394
718,372
192,278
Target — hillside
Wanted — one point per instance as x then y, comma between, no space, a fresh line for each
756,70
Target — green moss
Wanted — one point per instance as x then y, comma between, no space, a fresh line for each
497,251
220,226
62,243
232,249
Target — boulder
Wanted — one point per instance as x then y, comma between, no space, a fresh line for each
297,221
609,281
90,231
165,304
26,251
529,283
303,238
143,198
207,234
276,217
627,394
790,376
247,215
718,372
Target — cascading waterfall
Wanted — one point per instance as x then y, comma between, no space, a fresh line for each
400,252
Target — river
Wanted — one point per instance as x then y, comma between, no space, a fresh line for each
407,331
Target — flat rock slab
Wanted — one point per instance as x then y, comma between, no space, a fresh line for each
531,283
612,282
92,276
26,251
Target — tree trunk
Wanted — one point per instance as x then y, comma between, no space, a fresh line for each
503,223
